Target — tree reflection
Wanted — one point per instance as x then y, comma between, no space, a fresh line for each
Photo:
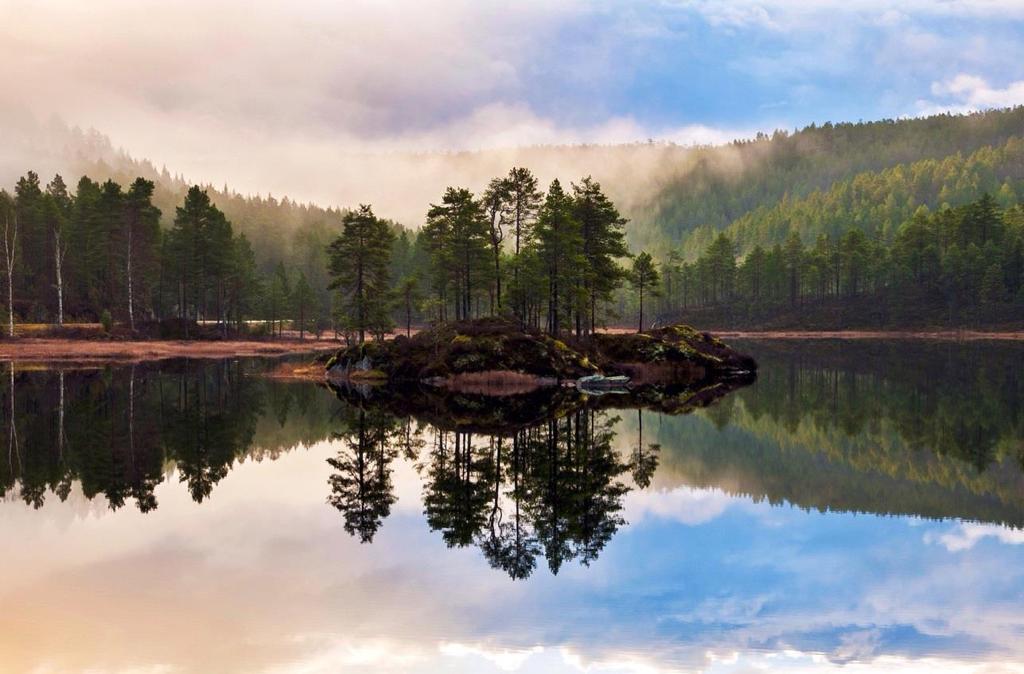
361,486
120,431
643,461
552,489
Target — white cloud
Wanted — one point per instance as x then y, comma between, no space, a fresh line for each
688,505
506,660
784,14
965,536
976,93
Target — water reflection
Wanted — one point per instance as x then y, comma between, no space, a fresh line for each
158,538
121,431
552,489
926,429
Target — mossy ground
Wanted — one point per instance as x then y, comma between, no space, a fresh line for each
677,353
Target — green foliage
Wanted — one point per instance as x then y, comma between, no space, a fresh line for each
457,236
709,188
952,260
604,244
302,301
359,266
559,250
107,321
644,276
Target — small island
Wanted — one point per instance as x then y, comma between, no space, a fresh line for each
498,356
491,375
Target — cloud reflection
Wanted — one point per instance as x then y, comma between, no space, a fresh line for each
263,578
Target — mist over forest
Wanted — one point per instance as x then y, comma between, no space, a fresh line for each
820,181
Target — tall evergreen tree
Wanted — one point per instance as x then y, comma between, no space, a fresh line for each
302,301
34,247
495,203
58,214
457,235
359,260
560,249
141,238
523,201
604,243
644,277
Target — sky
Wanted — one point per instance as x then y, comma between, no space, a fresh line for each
266,95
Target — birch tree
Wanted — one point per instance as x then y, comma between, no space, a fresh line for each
10,248
58,209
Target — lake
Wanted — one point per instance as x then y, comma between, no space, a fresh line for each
858,507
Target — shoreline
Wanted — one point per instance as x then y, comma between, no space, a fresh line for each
35,349
96,351
935,335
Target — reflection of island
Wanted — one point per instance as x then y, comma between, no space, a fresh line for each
931,430
551,489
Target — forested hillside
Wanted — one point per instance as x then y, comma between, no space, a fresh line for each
877,203
724,184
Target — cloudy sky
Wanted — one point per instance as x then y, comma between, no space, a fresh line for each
249,92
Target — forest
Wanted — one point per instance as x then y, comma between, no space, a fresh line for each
958,266
897,223
102,254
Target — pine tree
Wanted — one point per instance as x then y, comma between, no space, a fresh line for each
58,212
187,239
243,281
523,201
560,250
302,300
457,236
408,291
644,276
604,243
279,298
359,260
140,239
495,203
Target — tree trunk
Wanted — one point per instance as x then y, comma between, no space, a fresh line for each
60,417
641,309
12,443
58,256
131,298
10,242
497,276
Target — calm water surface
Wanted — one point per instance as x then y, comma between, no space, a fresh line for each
857,508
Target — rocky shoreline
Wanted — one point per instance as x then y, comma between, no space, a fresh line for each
498,357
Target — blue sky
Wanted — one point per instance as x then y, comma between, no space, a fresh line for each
756,65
